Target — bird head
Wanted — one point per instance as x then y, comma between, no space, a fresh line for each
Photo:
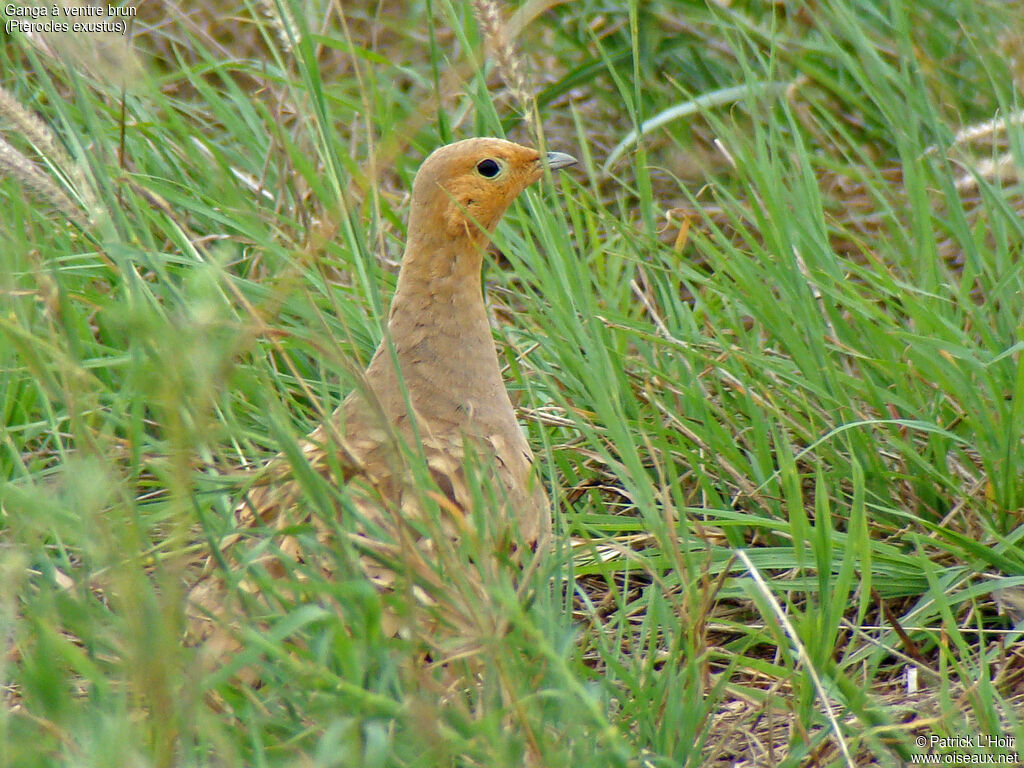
470,184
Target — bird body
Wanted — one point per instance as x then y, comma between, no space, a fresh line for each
434,384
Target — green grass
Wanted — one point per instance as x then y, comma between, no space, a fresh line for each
817,382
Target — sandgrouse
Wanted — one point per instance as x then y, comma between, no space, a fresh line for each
433,387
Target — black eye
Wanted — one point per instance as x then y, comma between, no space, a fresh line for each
488,168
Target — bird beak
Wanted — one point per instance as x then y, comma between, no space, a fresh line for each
556,160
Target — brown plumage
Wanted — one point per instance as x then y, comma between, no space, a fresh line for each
446,398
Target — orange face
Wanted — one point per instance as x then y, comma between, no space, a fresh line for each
470,184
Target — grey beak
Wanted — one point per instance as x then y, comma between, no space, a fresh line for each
556,160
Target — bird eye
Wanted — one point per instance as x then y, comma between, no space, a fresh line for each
488,168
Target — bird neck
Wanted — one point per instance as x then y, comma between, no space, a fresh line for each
438,324
439,288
